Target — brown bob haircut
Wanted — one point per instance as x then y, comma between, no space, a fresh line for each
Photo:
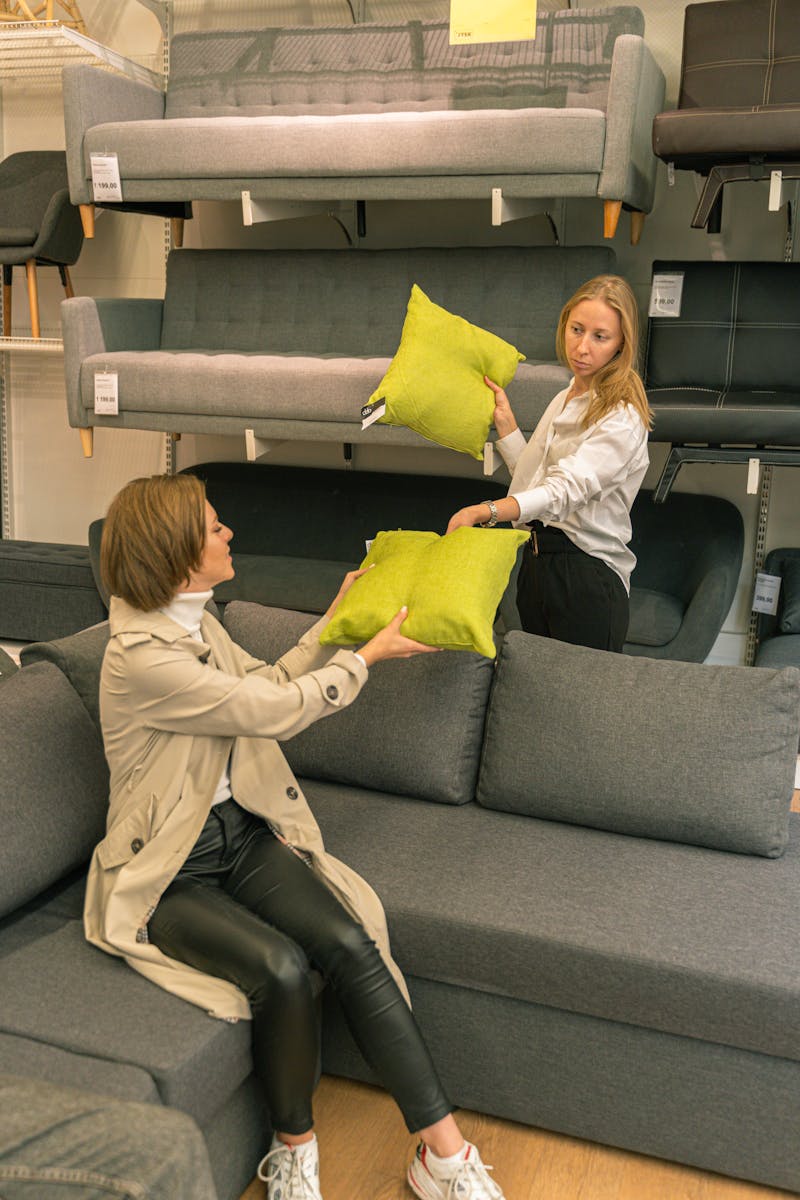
154,534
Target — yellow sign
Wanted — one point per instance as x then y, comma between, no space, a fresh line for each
497,21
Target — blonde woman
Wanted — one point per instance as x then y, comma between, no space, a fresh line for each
212,880
574,482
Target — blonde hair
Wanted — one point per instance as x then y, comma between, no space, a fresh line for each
618,382
154,534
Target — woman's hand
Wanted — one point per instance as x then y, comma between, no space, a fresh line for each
503,417
473,514
389,642
347,583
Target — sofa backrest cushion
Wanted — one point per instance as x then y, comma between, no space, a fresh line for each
736,331
54,784
685,752
415,730
80,657
321,70
789,620
347,303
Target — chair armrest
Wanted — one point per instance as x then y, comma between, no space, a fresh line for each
635,95
93,97
96,326
704,617
61,236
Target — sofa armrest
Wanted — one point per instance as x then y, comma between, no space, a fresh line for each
635,95
92,97
96,326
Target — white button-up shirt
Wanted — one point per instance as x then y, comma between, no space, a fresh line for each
582,481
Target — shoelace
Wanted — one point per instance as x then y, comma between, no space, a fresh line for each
470,1177
296,1180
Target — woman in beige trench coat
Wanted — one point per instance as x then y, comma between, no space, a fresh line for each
212,879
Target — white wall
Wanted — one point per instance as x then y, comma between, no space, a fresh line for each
55,492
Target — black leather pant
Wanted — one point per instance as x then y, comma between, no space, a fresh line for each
245,908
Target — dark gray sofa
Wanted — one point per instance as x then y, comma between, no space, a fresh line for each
381,111
589,869
291,343
779,634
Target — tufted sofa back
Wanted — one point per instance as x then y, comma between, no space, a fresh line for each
394,68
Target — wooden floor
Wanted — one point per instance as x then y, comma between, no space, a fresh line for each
364,1151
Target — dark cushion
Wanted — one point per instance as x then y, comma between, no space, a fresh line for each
689,941
655,617
304,584
415,729
789,620
63,991
80,657
54,784
783,651
680,751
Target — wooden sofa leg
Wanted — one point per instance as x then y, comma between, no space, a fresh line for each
8,275
611,211
87,219
87,441
176,228
33,297
637,225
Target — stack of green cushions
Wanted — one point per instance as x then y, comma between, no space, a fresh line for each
434,384
452,586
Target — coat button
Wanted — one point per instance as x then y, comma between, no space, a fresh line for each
136,845
292,793
332,692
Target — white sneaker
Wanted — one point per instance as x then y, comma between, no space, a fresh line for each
464,1180
291,1172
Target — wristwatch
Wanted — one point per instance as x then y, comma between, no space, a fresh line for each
493,517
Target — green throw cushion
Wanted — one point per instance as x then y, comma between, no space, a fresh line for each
435,383
452,586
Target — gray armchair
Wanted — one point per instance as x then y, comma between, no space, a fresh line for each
689,555
38,225
779,635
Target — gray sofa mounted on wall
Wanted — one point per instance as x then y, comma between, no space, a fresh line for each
291,343
377,112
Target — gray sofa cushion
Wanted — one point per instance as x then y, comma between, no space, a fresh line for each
80,657
689,941
51,818
435,700
680,751
63,991
35,1059
783,651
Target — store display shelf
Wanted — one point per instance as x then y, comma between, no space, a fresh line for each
36,51
30,345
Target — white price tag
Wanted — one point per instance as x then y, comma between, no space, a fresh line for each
106,183
753,471
106,393
368,544
372,413
766,592
665,295
488,458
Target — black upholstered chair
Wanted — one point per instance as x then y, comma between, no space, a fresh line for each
38,225
779,634
722,372
738,114
688,559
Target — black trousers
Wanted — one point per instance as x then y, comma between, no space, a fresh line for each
565,593
245,908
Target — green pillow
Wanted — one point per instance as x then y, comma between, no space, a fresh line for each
452,586
435,385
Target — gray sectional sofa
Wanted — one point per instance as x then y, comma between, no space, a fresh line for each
291,343
375,111
589,868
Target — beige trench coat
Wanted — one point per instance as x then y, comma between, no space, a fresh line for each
173,709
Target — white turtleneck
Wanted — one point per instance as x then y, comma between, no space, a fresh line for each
186,610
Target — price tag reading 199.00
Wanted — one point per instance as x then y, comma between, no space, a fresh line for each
105,177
